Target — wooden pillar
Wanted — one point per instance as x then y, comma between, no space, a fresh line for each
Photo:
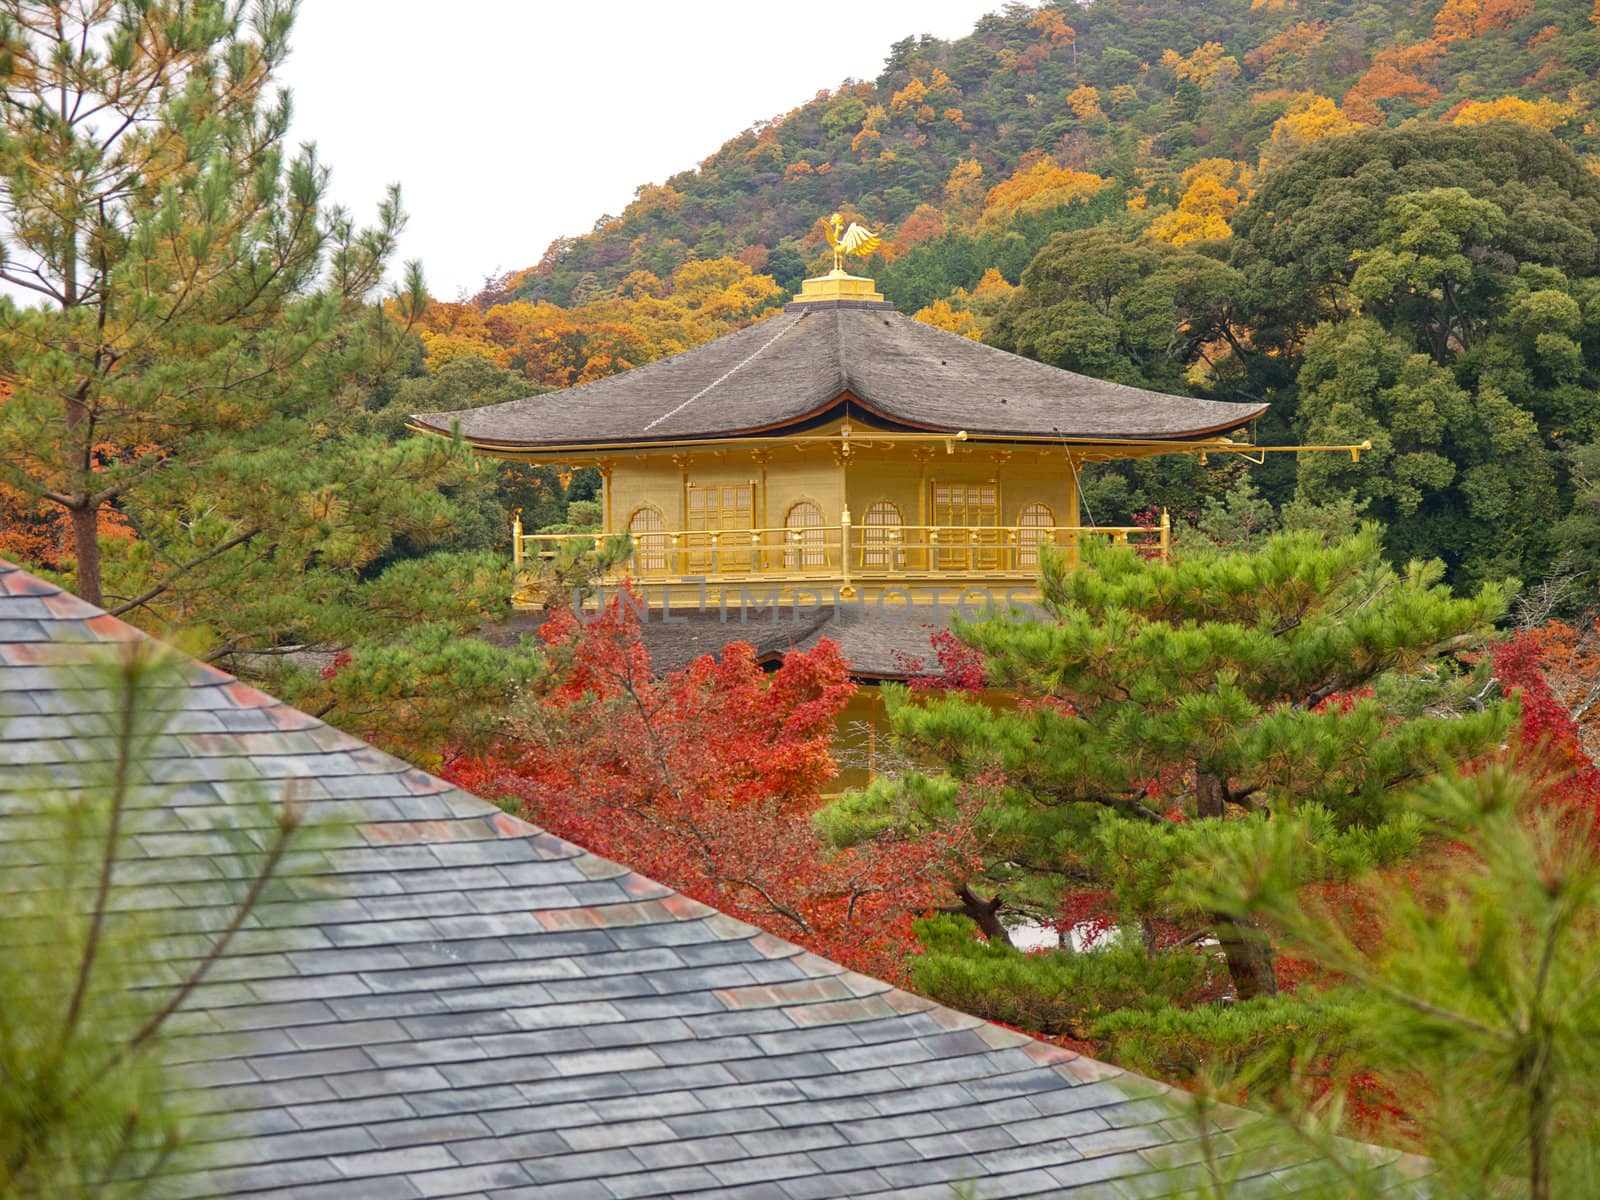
1074,519
607,518
841,459
762,516
678,564
924,456
682,462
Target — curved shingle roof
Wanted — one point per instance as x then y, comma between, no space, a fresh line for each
798,364
459,1004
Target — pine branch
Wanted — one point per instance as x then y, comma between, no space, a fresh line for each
150,594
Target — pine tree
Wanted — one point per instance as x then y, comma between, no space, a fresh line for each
1161,712
204,370
1473,995
198,356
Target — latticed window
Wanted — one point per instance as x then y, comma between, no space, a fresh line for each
880,534
647,527
1033,524
968,515
805,543
970,505
721,506
728,510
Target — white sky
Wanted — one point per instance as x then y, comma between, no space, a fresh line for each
508,123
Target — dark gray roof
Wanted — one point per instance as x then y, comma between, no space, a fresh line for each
460,1004
800,363
877,643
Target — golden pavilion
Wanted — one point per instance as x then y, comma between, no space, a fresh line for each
841,451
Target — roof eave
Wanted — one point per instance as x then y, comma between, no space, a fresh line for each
503,446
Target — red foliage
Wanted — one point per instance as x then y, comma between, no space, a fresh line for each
1091,913
960,666
338,663
706,780
1523,663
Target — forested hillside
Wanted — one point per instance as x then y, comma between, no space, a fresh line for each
1384,219
1125,98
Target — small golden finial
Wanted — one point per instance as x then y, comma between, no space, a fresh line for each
838,284
857,240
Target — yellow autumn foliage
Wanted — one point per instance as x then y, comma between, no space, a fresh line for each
1084,101
1310,118
1209,64
1543,113
1203,213
964,190
941,315
646,318
1032,189
970,313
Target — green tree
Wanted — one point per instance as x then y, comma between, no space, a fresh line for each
1432,270
204,374
1461,476
1316,221
1475,995
195,367
1157,704
1136,312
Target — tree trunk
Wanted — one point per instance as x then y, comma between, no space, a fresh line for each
1539,1122
1211,796
1249,955
86,553
985,913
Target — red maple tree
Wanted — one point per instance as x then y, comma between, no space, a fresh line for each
706,779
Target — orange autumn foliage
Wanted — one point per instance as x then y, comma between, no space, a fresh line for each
1385,82
1053,27
924,223
1409,56
1459,20
1293,42
646,318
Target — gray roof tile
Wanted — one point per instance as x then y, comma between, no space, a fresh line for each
458,1004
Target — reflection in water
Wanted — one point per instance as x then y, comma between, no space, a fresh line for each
860,740
863,748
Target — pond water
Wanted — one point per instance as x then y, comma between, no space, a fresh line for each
860,740
862,746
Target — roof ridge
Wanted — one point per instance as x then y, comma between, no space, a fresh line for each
728,374
634,372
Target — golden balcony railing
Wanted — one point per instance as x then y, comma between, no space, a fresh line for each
846,554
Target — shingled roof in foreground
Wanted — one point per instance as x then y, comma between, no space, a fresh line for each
461,1005
841,358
